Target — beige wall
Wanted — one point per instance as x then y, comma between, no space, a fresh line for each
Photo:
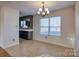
77,28
67,27
9,27
0,27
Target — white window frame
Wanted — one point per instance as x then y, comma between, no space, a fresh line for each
50,26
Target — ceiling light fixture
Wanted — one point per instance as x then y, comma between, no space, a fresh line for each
43,11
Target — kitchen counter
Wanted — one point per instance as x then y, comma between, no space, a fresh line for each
26,33
26,29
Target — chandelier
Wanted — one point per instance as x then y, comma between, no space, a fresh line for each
43,11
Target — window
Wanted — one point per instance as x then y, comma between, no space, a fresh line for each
23,24
44,26
50,26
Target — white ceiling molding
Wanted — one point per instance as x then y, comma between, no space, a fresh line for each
31,7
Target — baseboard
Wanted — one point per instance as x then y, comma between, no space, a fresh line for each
54,44
4,47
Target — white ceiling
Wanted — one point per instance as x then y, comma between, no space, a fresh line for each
31,7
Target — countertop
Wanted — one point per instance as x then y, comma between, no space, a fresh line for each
26,29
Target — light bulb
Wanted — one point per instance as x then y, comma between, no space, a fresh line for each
38,12
40,9
46,9
43,13
48,12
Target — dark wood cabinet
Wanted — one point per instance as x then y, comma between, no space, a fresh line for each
26,35
28,20
29,23
23,34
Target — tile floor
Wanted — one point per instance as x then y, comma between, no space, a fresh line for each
32,48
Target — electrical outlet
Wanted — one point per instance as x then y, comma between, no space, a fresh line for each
13,40
45,37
